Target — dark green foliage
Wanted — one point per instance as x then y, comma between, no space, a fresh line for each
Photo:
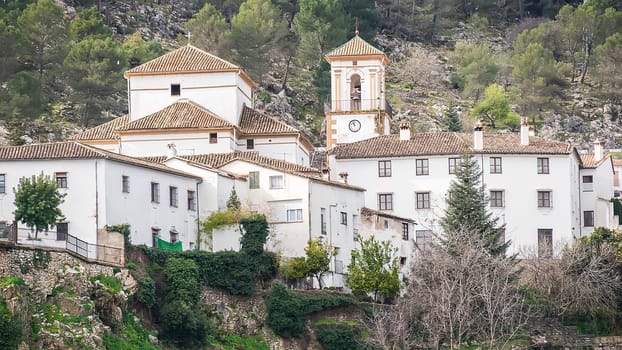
11,331
233,202
452,121
617,209
338,336
182,280
185,324
235,272
287,311
255,235
467,210
131,335
146,294
112,283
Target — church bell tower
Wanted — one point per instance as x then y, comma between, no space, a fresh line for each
358,109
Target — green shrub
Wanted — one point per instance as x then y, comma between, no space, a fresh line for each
184,324
255,235
7,281
182,280
11,331
287,311
131,265
337,336
132,335
146,293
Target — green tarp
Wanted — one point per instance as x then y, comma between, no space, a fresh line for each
164,245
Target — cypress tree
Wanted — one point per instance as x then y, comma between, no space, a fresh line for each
453,121
467,210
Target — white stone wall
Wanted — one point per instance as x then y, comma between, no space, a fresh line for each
186,143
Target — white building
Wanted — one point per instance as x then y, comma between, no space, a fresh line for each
200,103
104,189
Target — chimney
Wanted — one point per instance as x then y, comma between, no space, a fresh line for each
478,136
524,131
172,151
598,150
404,131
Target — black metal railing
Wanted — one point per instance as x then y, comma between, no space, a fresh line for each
94,252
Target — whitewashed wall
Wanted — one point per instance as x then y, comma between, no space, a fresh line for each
186,143
287,148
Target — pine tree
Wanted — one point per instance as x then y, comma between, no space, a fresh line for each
233,202
453,121
467,210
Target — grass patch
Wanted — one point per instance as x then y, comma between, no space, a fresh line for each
235,342
131,335
113,285
7,281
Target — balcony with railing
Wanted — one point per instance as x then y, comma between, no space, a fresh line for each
358,105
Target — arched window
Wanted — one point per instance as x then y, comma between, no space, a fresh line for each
355,92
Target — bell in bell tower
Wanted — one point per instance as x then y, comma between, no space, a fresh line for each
358,109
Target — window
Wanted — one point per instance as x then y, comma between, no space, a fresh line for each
175,89
2,183
588,183
125,184
172,196
294,215
496,199
250,144
323,220
385,201
423,240
543,165
422,167
423,200
405,234
192,202
213,137
588,218
155,192
384,168
386,224
402,260
355,227
253,180
344,218
62,230
4,232
495,165
453,164
174,235
276,182
155,233
544,199
61,180
545,243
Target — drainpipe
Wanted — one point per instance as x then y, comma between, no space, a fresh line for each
96,203
330,238
198,213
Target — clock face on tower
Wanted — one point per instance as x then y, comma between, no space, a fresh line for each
354,125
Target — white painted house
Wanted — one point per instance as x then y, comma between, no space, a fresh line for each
201,104
532,182
104,189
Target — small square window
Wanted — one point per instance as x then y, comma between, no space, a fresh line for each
402,260
174,235
172,191
192,202
543,165
276,182
61,180
250,144
544,199
453,165
344,218
496,199
405,229
385,201
175,89
62,230
2,183
588,218
253,180
423,200
384,168
125,184
422,167
423,240
495,165
213,137
155,234
155,192
294,215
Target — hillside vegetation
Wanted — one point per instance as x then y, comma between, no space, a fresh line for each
556,62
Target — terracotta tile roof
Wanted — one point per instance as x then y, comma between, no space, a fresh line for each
255,122
446,143
187,59
218,160
106,131
354,47
588,161
76,150
179,115
369,212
